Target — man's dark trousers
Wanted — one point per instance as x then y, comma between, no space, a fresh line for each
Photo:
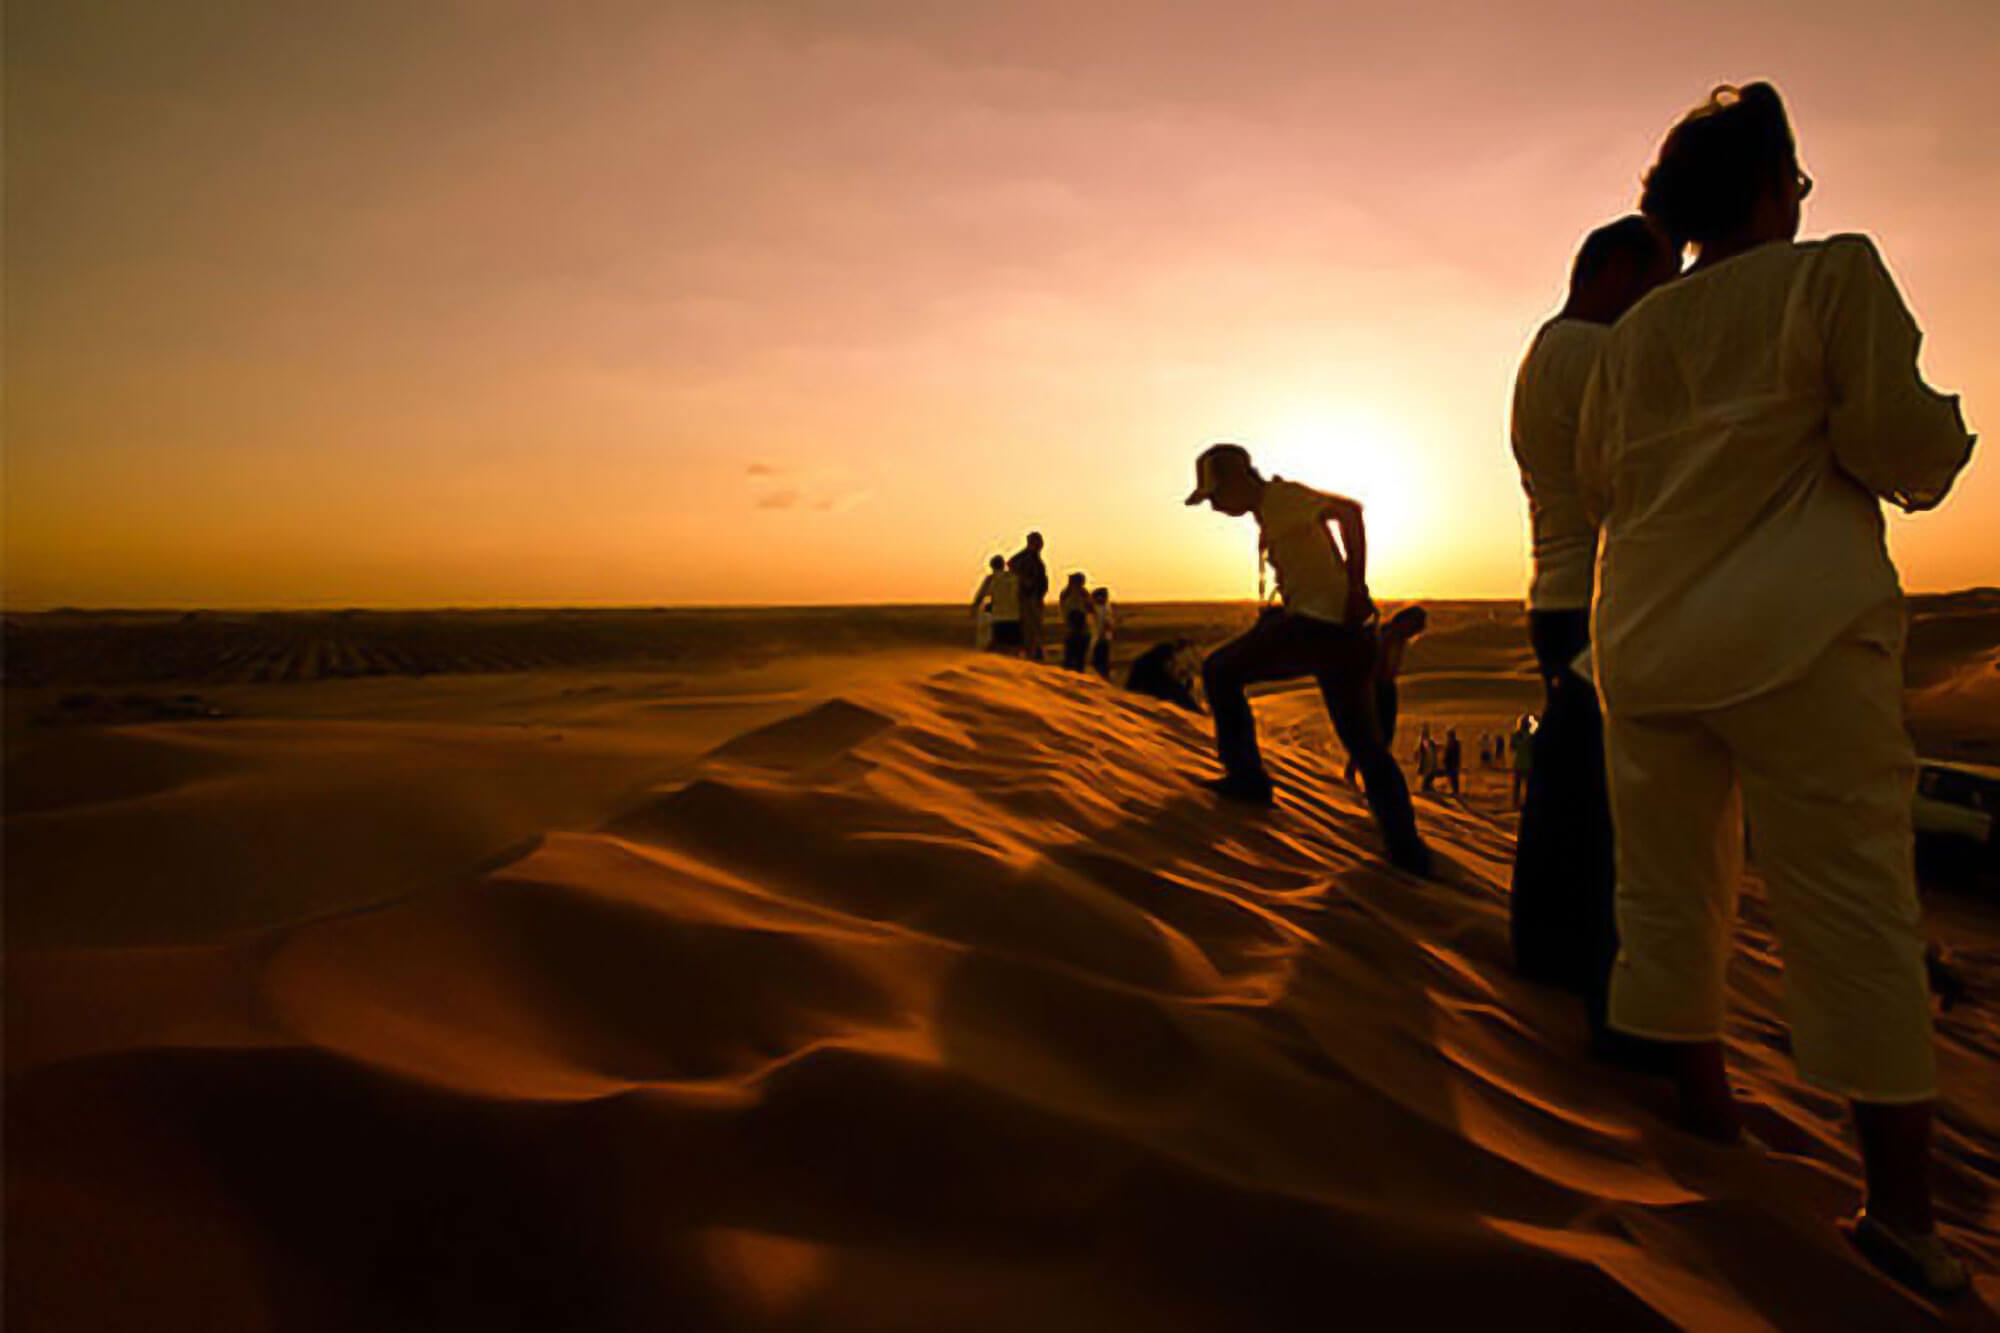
1284,646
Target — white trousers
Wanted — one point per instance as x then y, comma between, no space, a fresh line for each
1827,772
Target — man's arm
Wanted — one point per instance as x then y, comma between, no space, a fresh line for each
1345,514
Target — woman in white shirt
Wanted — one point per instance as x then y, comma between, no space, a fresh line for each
1737,438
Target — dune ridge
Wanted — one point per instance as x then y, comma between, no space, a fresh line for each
949,1003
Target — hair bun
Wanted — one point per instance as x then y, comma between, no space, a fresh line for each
1716,161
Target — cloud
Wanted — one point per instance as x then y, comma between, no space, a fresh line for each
842,502
816,490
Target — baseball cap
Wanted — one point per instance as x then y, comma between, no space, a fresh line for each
1208,468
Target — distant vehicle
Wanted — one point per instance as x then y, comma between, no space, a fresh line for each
1958,804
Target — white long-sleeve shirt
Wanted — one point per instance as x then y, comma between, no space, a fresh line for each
1737,437
1548,396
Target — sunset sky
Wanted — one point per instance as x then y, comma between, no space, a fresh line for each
403,303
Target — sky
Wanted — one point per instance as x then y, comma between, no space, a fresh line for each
399,303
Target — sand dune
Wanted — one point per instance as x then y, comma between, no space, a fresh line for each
1954,675
302,800
943,1004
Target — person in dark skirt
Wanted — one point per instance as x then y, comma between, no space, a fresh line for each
1561,909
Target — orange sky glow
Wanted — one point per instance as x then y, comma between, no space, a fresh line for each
418,304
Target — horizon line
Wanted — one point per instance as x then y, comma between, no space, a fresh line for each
332,607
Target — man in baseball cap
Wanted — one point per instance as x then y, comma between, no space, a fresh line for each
1323,629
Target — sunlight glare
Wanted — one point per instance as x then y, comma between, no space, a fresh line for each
1357,451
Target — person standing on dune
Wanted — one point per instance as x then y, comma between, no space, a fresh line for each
1032,574
1103,624
1074,608
1521,756
1323,629
998,602
1560,910
1738,436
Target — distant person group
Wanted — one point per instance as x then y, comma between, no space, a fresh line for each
1008,611
1719,631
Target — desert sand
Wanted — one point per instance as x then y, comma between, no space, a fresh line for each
805,970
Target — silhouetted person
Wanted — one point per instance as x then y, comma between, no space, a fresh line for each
1738,436
1322,630
1164,672
1103,623
1454,759
1390,644
1074,608
999,600
1521,756
1033,575
1561,909
1427,758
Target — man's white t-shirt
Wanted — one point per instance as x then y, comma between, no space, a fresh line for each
1548,398
1291,525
